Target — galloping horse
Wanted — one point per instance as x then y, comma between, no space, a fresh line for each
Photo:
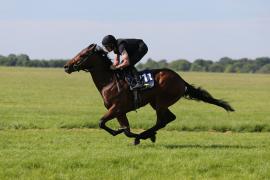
119,99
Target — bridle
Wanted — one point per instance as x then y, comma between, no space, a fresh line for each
77,66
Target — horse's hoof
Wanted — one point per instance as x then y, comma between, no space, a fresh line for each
136,141
153,138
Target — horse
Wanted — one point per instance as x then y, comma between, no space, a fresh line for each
119,99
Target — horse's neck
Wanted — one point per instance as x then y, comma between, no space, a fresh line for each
102,78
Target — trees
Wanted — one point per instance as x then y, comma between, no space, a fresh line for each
265,69
12,60
180,65
260,62
216,67
150,63
3,60
24,60
225,61
201,65
225,64
162,64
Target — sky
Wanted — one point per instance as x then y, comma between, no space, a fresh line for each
172,29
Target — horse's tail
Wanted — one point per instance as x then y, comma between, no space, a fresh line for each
199,94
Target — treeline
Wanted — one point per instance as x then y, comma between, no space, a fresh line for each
225,64
24,60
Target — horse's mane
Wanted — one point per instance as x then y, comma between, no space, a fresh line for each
101,52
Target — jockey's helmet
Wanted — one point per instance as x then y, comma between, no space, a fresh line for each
109,42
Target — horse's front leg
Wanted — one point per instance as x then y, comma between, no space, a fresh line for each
107,117
123,121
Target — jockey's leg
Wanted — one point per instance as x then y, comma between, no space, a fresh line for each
142,50
136,76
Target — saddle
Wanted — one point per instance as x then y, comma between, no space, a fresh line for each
146,77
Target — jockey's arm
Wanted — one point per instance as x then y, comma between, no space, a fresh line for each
125,60
116,60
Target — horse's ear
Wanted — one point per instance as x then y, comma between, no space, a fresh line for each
92,46
99,49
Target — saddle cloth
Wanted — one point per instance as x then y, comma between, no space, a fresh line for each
146,77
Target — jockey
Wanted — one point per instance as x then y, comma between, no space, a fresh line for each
131,52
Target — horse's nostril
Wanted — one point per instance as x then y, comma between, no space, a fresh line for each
66,68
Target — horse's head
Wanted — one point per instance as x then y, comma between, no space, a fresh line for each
85,60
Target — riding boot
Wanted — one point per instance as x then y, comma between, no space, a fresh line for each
136,76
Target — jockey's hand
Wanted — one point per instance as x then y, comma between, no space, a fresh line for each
112,67
115,63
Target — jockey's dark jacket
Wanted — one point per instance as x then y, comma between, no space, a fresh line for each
135,48
130,45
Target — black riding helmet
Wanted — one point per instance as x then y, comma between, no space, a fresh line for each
108,40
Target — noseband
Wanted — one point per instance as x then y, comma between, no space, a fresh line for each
77,65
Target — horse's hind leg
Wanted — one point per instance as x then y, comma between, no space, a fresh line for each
164,116
168,116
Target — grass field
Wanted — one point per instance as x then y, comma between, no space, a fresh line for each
50,98
92,154
48,122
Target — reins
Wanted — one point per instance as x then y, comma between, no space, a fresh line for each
117,83
77,66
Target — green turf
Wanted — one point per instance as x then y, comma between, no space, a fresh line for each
93,154
47,119
49,98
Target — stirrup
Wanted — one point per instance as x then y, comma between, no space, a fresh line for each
136,86
147,85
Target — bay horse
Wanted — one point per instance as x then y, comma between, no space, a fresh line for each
119,99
